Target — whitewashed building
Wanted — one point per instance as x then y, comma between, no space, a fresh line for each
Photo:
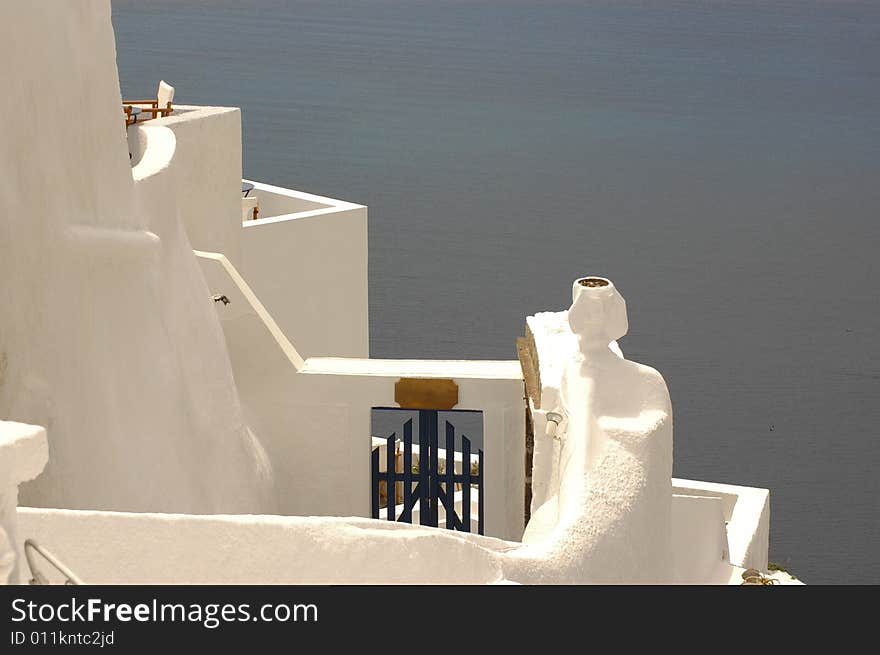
186,385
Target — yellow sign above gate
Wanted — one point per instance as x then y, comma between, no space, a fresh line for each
426,393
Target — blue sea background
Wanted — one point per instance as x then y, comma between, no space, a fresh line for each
718,159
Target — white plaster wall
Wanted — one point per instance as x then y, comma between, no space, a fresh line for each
699,541
119,548
277,201
207,177
310,271
124,548
314,415
495,388
23,454
306,257
108,336
607,516
747,515
703,547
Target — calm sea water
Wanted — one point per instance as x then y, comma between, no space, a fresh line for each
720,160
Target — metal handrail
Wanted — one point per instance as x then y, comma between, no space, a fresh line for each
40,579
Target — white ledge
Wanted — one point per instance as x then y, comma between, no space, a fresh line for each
332,203
416,368
24,452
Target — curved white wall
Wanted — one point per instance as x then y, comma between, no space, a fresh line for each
206,184
607,515
108,336
110,548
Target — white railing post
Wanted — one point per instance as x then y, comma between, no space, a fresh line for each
24,452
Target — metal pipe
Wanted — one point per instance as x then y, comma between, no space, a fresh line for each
40,579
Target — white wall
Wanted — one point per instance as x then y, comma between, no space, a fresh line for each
607,517
495,388
306,256
108,336
277,201
699,541
313,416
310,270
124,548
207,177
712,527
23,454
746,511
119,548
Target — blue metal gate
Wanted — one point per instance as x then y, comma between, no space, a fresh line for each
429,485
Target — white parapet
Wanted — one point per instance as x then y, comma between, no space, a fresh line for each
23,454
140,548
746,515
205,186
306,259
607,513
